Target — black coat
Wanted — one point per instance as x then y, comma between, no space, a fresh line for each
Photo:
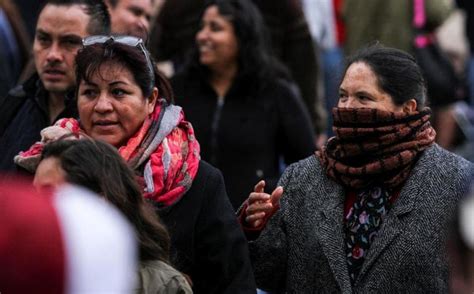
207,242
255,130
23,114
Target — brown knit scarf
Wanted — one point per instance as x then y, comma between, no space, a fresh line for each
375,147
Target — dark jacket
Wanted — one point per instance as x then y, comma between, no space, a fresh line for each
207,243
173,35
468,7
247,138
302,248
23,114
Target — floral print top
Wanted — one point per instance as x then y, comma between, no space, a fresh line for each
364,213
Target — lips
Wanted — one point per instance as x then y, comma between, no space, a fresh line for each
104,125
204,47
53,74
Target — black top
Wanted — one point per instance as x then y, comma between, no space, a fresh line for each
248,135
25,110
468,6
178,21
207,242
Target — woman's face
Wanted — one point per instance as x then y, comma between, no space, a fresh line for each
360,89
216,40
111,105
49,174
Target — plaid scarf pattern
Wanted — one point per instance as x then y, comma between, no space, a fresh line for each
374,147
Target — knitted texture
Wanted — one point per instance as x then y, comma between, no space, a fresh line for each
375,147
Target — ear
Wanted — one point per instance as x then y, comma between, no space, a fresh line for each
410,106
151,100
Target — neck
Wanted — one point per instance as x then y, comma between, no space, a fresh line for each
221,79
55,105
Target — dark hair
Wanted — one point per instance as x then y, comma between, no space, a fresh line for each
397,73
90,58
100,168
113,3
99,23
256,62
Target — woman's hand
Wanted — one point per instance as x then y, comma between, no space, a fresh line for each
261,204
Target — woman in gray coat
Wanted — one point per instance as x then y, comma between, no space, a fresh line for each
368,213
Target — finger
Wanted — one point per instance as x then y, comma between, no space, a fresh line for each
258,197
259,187
257,223
276,195
259,207
255,217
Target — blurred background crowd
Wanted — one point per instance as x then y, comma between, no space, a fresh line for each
310,38
258,87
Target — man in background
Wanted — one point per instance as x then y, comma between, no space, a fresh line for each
131,17
48,94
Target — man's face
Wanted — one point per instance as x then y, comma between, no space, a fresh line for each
131,17
58,37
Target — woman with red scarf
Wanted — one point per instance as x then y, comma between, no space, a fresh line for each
367,213
125,102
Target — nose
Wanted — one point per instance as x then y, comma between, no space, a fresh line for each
145,23
142,24
201,35
54,54
103,104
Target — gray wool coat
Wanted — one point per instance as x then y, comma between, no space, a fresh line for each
301,250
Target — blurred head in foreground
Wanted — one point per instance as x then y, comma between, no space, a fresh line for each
69,241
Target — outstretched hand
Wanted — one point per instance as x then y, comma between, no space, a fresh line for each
261,204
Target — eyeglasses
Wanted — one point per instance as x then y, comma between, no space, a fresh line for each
126,40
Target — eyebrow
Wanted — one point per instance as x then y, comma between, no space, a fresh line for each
138,9
364,93
114,83
71,36
117,83
89,83
41,32
62,37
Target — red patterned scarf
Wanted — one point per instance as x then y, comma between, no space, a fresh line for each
164,152
375,147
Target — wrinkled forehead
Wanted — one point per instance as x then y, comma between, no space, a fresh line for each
60,20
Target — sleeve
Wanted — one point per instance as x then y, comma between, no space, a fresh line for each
295,137
301,58
177,285
269,253
9,107
222,249
252,233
